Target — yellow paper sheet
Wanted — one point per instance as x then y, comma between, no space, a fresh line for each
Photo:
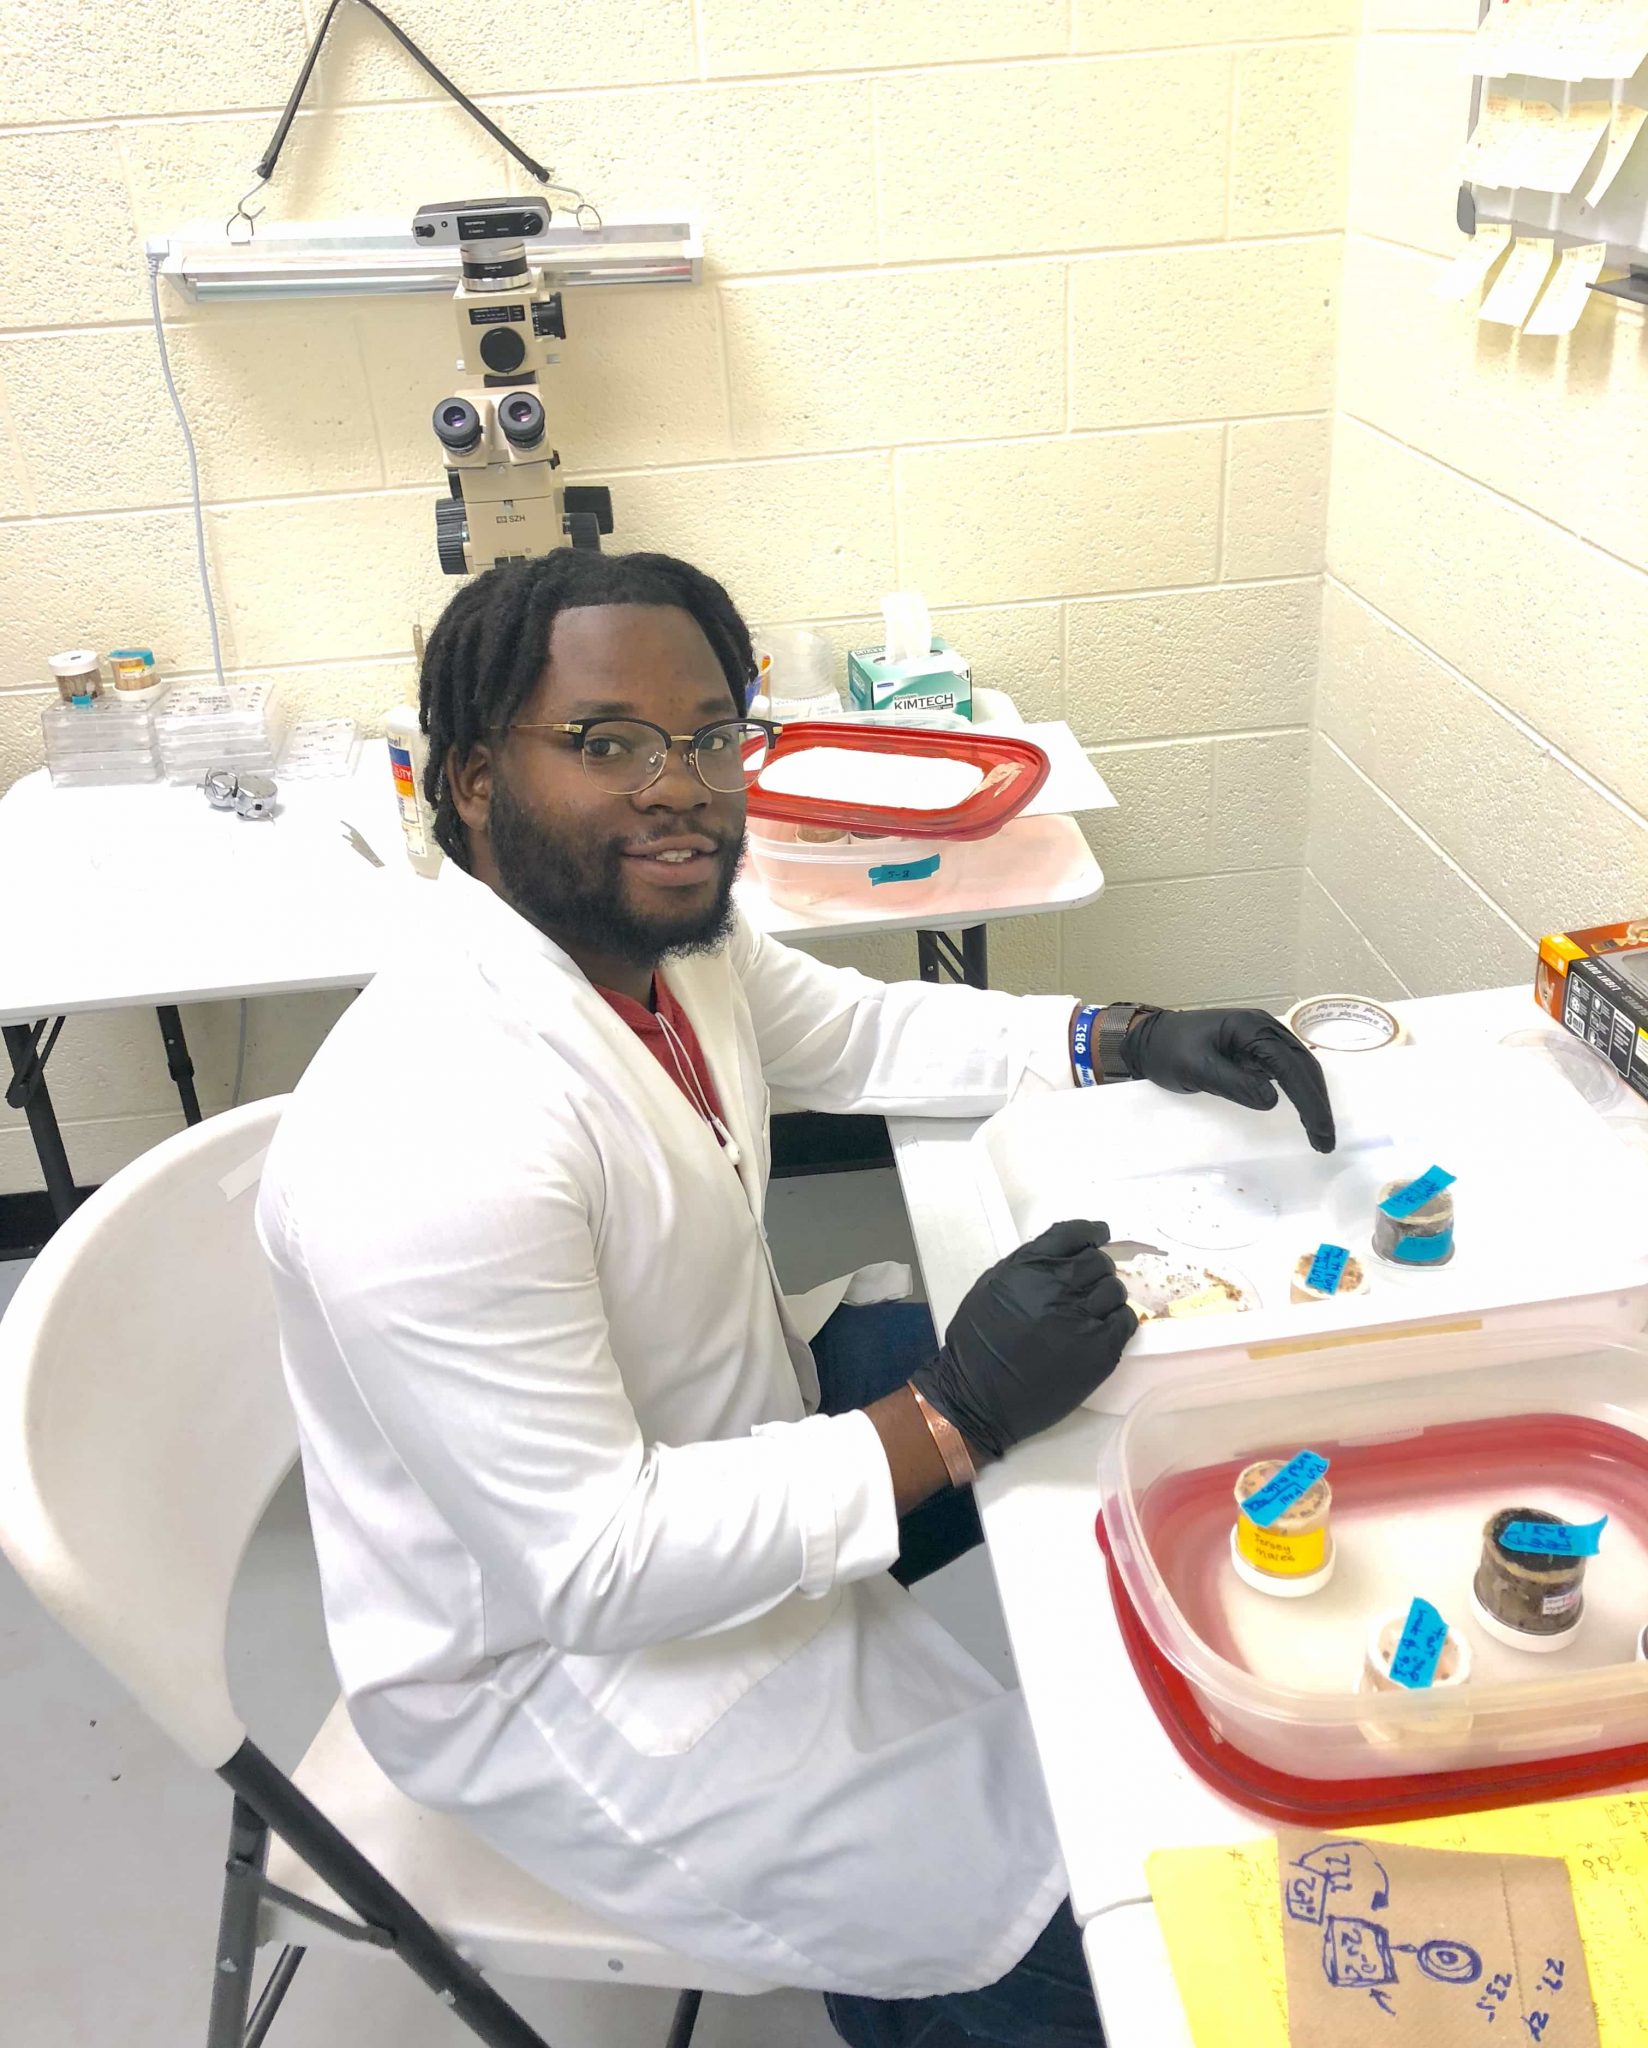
1568,294
1511,296
1624,126
1533,143
1561,39
1473,262
1220,1913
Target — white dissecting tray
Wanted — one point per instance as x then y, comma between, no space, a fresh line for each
1551,1212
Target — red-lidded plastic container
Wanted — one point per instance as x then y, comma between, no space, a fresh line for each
1013,770
1429,1432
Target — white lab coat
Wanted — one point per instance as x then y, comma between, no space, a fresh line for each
594,1576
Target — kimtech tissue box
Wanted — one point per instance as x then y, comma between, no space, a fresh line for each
940,680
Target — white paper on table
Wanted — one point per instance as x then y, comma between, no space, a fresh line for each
1517,285
1567,295
1623,129
1532,144
1479,255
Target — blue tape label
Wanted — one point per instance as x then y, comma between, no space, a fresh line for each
1283,1488
1414,1660
906,871
1417,1193
1327,1268
1556,1539
1422,1251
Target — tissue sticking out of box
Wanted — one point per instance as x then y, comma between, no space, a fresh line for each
910,667
907,625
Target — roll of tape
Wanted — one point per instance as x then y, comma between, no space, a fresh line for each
1345,1023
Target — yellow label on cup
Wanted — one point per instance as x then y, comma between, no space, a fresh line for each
1282,1555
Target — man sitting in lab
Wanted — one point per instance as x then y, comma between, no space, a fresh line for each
614,1564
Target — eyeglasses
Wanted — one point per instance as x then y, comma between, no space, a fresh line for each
627,755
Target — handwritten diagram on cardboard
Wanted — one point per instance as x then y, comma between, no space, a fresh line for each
1387,1945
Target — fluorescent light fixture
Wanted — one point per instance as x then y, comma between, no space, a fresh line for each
362,258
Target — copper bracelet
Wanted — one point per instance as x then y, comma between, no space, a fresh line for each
950,1443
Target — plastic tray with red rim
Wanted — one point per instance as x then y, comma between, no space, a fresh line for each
1188,1522
1014,770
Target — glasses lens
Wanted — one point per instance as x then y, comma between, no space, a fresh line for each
731,756
621,756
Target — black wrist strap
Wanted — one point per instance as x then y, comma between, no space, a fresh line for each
1114,1020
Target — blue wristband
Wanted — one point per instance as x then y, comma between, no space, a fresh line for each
1081,1045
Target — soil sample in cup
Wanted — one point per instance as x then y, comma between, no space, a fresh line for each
1424,1237
1292,1554
1448,1723
1524,1597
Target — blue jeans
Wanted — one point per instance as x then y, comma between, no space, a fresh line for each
1045,2000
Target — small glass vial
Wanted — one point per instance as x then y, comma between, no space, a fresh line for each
1424,1238
79,675
1294,1555
1522,1598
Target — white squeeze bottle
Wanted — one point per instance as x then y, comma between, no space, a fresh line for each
408,752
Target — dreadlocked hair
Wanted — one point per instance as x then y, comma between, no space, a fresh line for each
490,645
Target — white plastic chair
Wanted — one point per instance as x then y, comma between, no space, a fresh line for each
144,1426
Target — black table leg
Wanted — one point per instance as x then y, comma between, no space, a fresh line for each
29,1093
178,1063
940,958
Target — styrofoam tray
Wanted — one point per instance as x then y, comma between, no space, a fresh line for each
1549,1209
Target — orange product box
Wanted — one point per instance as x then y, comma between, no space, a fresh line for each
1595,983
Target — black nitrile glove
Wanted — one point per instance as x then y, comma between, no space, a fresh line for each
1034,1337
1243,1055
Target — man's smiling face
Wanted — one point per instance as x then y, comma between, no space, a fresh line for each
629,877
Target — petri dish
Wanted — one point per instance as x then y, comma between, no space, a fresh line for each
1165,1287
1584,1070
1214,1211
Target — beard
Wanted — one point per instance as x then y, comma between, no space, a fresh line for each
576,891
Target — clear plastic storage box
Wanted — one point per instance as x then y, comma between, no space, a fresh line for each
209,725
317,748
1430,1432
845,875
100,742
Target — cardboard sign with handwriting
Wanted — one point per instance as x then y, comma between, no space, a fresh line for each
1388,1946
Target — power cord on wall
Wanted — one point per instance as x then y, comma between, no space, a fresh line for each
240,1058
205,575
194,467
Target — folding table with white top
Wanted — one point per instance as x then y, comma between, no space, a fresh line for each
1118,1788
142,896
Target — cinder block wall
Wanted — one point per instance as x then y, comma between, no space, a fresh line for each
1027,302
1481,760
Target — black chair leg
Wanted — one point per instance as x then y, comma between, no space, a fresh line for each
390,1919
237,1930
686,2018
280,1982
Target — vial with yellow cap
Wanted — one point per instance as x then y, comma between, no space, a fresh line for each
1291,1555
